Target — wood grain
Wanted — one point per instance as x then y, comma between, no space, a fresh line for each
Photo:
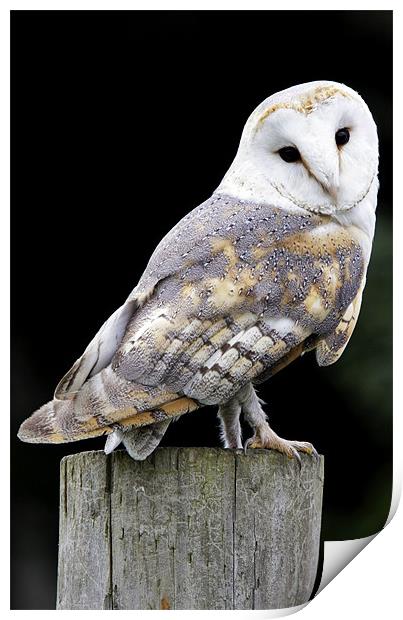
189,528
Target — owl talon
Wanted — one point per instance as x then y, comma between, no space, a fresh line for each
296,456
315,455
252,442
271,441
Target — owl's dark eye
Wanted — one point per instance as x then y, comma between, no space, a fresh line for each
289,154
342,136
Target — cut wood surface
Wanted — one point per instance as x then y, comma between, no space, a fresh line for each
189,528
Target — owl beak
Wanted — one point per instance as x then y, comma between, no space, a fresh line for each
329,180
325,169
332,185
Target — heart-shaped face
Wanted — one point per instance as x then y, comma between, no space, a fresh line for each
314,145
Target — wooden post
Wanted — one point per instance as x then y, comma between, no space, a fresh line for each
189,528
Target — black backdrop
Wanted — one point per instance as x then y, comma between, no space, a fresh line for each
121,123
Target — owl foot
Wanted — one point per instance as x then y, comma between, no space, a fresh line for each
228,415
265,437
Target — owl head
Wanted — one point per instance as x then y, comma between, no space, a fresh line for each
314,146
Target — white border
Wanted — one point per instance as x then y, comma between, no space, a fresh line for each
186,5
370,585
5,287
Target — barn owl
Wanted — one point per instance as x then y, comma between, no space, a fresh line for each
272,265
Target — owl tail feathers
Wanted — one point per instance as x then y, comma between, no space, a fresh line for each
139,442
55,423
104,404
41,427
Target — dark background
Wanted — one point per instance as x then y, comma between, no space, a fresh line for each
122,122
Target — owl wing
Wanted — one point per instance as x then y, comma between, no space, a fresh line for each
217,356
330,348
228,297
162,264
182,241
102,347
98,354
211,329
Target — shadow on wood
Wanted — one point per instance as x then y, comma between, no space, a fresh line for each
189,528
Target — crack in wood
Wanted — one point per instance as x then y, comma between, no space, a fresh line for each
190,528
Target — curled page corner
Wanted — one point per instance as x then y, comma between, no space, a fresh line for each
288,611
255,613
396,495
337,554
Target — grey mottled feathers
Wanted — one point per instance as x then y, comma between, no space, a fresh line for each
139,442
235,291
99,352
